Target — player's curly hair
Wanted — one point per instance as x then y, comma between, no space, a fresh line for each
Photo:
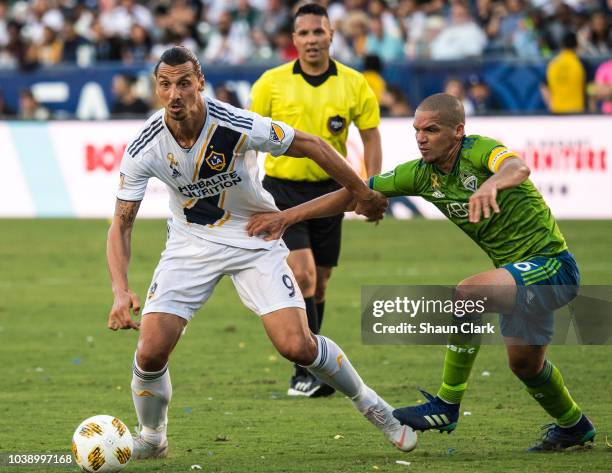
178,55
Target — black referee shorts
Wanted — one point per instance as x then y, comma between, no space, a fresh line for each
321,235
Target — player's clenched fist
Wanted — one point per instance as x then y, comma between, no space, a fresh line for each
120,317
268,225
373,206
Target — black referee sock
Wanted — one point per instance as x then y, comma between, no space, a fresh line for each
311,313
320,309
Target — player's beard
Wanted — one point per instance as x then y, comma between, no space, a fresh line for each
178,117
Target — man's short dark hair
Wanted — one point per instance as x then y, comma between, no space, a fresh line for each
310,9
569,40
178,55
372,62
450,108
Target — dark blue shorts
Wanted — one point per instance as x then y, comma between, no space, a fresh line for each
544,284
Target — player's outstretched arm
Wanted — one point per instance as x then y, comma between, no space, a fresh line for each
368,202
118,249
273,224
512,173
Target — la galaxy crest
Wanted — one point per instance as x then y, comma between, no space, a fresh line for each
216,161
277,134
336,124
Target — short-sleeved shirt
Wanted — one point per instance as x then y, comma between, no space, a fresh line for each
566,80
525,227
321,105
214,186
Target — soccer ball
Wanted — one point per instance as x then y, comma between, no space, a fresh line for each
102,444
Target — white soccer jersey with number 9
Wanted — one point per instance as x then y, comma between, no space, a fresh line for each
214,187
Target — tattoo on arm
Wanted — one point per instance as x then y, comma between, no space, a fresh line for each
126,211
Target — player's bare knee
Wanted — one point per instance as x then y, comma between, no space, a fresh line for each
298,349
524,367
467,292
151,358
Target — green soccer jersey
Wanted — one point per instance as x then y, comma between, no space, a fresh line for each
524,227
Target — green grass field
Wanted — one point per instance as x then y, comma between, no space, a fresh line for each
229,411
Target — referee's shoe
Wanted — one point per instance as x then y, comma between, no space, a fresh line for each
303,383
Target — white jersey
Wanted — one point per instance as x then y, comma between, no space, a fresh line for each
214,187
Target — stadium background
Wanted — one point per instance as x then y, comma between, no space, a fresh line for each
61,146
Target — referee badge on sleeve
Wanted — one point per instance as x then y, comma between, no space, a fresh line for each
336,124
277,134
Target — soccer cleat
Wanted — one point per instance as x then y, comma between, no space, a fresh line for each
305,384
557,438
325,390
143,449
381,415
434,414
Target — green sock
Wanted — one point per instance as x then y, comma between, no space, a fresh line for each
549,390
458,364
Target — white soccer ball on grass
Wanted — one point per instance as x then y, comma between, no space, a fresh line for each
102,444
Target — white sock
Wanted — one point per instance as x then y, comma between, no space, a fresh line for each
151,393
366,398
333,367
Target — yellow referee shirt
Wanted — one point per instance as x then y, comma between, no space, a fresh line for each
321,105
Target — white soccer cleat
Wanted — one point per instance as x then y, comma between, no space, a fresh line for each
143,449
402,436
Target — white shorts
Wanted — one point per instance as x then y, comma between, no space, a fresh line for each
190,267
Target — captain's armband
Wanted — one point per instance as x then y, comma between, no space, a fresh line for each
498,156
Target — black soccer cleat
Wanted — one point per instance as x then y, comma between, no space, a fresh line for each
303,383
557,438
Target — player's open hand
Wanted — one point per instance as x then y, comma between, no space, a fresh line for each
120,316
269,225
483,202
372,207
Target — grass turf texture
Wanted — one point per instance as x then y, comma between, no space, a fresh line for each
229,412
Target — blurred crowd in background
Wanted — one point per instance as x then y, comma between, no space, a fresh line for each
48,32
368,34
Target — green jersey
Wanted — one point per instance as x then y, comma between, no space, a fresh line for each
524,227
